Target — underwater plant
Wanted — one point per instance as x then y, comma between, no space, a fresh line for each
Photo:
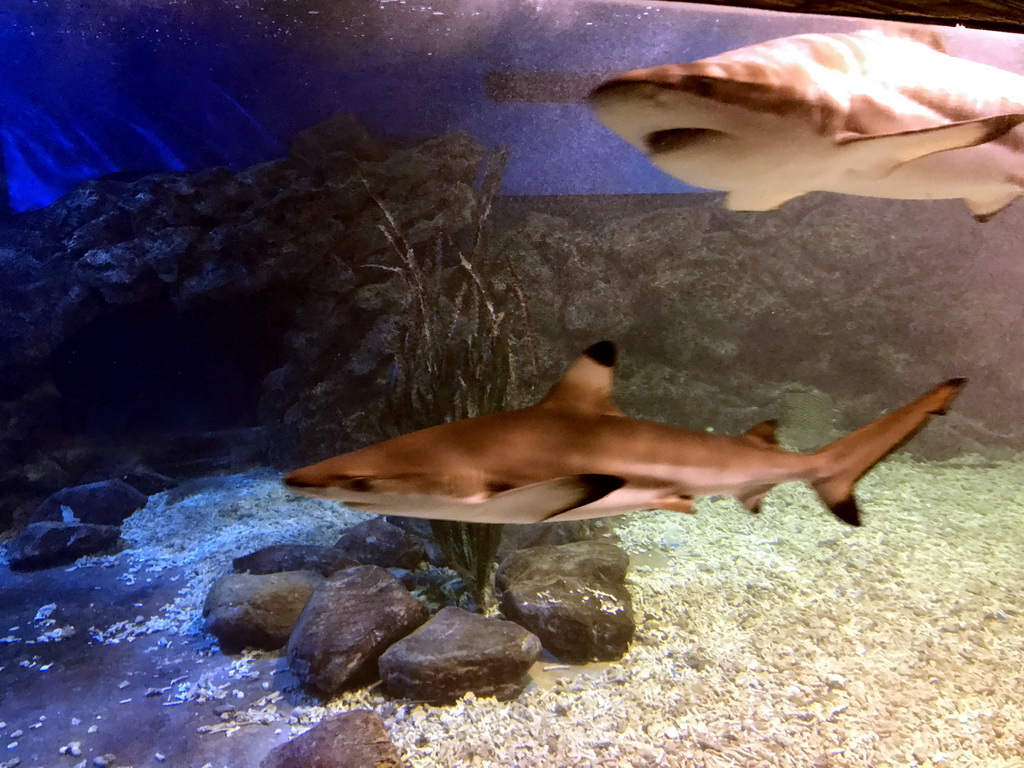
464,332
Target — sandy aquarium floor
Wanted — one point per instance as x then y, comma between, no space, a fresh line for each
783,639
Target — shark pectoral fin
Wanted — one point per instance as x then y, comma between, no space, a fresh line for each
876,156
541,501
759,199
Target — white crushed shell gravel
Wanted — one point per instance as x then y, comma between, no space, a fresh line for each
781,639
202,525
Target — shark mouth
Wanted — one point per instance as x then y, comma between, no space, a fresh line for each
674,139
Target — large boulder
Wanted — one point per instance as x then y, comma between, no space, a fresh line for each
457,652
356,739
573,597
49,543
107,502
352,618
257,611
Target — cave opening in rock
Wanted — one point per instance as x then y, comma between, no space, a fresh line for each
155,370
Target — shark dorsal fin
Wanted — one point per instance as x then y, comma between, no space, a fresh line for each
587,385
763,433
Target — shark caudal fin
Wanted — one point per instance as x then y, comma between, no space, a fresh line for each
846,460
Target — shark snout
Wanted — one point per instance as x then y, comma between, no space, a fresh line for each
299,480
310,479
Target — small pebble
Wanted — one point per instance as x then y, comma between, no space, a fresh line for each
17,733
74,749
123,684
159,758
93,729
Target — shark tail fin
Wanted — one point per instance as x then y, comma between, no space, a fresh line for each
846,460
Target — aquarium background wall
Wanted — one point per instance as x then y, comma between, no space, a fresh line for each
197,270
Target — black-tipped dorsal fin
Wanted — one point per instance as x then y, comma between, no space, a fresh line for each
587,385
763,433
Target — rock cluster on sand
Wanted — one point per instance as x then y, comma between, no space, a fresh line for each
361,622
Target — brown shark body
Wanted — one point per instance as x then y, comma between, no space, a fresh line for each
865,113
575,455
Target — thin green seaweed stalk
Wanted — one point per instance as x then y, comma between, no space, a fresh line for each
465,325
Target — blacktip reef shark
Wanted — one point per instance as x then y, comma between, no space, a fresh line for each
575,455
867,113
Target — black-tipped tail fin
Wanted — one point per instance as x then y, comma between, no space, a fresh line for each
846,460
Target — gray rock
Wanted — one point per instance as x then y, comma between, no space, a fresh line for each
356,739
352,618
293,557
592,561
378,542
257,611
573,597
422,531
516,537
457,652
107,502
46,544
147,481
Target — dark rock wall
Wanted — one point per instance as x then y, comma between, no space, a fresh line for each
178,303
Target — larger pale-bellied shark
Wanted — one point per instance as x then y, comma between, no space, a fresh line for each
864,113
575,455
